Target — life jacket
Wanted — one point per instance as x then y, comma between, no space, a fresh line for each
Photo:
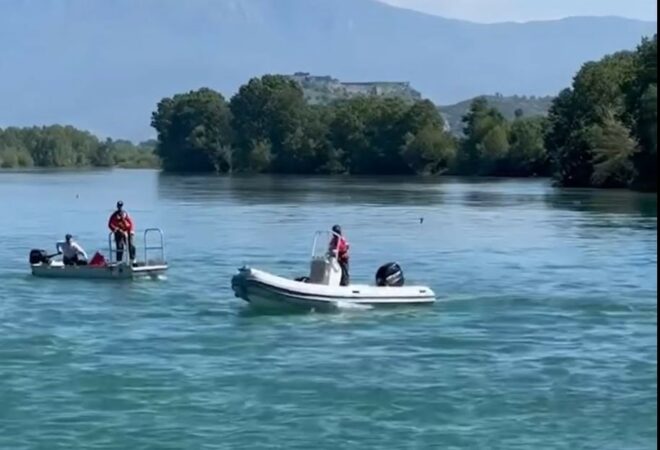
117,222
341,246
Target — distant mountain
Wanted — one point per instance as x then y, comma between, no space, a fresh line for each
103,65
507,105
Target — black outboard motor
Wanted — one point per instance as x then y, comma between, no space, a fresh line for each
390,275
39,257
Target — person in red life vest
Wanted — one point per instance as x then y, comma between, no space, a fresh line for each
339,248
121,225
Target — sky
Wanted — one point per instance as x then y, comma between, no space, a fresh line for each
526,10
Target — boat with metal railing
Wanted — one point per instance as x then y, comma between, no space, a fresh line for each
44,265
321,290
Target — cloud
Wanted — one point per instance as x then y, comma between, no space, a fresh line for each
526,10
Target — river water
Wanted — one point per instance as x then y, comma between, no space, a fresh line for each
544,335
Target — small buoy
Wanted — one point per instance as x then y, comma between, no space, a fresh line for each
421,220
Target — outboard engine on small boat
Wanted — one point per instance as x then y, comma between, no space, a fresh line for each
391,275
39,257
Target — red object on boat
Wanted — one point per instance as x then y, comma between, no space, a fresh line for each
98,260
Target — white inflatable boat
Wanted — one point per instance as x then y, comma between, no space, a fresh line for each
321,291
45,266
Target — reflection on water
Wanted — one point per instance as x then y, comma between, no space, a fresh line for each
604,201
256,190
475,192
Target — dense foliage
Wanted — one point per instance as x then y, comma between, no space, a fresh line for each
268,127
494,146
194,132
65,146
600,132
603,130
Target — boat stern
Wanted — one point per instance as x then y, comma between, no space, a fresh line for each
239,283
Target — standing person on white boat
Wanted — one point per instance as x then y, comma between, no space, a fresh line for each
339,248
71,252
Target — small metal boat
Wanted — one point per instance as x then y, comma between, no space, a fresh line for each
43,265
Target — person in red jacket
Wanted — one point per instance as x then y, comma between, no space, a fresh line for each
121,226
339,247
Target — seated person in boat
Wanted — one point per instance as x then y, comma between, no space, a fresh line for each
339,248
121,226
72,252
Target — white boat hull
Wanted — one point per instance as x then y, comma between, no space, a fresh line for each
266,291
110,272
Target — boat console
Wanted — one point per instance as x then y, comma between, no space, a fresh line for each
324,267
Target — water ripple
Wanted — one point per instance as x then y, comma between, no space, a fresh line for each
544,335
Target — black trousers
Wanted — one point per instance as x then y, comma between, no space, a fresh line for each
345,277
75,261
120,242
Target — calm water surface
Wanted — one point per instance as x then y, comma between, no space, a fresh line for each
544,336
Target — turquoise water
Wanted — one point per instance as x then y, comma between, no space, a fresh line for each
544,335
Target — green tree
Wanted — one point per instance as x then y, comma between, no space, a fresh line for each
427,147
613,148
430,151
527,154
485,147
347,136
595,101
367,132
66,146
566,142
598,87
271,111
103,155
642,103
494,150
194,132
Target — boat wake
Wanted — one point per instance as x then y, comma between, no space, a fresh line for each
350,306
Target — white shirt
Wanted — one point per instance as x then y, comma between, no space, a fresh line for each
71,249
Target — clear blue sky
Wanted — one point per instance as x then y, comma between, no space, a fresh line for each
525,10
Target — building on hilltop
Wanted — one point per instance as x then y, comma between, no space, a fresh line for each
381,88
324,89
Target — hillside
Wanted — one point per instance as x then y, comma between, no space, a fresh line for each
530,106
103,66
324,89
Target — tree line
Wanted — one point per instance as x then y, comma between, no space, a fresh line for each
267,127
599,132
603,129
66,146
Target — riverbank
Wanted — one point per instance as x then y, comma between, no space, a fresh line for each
67,146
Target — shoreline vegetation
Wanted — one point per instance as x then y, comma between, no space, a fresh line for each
58,146
600,132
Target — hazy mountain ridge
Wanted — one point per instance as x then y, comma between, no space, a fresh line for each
104,65
530,107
